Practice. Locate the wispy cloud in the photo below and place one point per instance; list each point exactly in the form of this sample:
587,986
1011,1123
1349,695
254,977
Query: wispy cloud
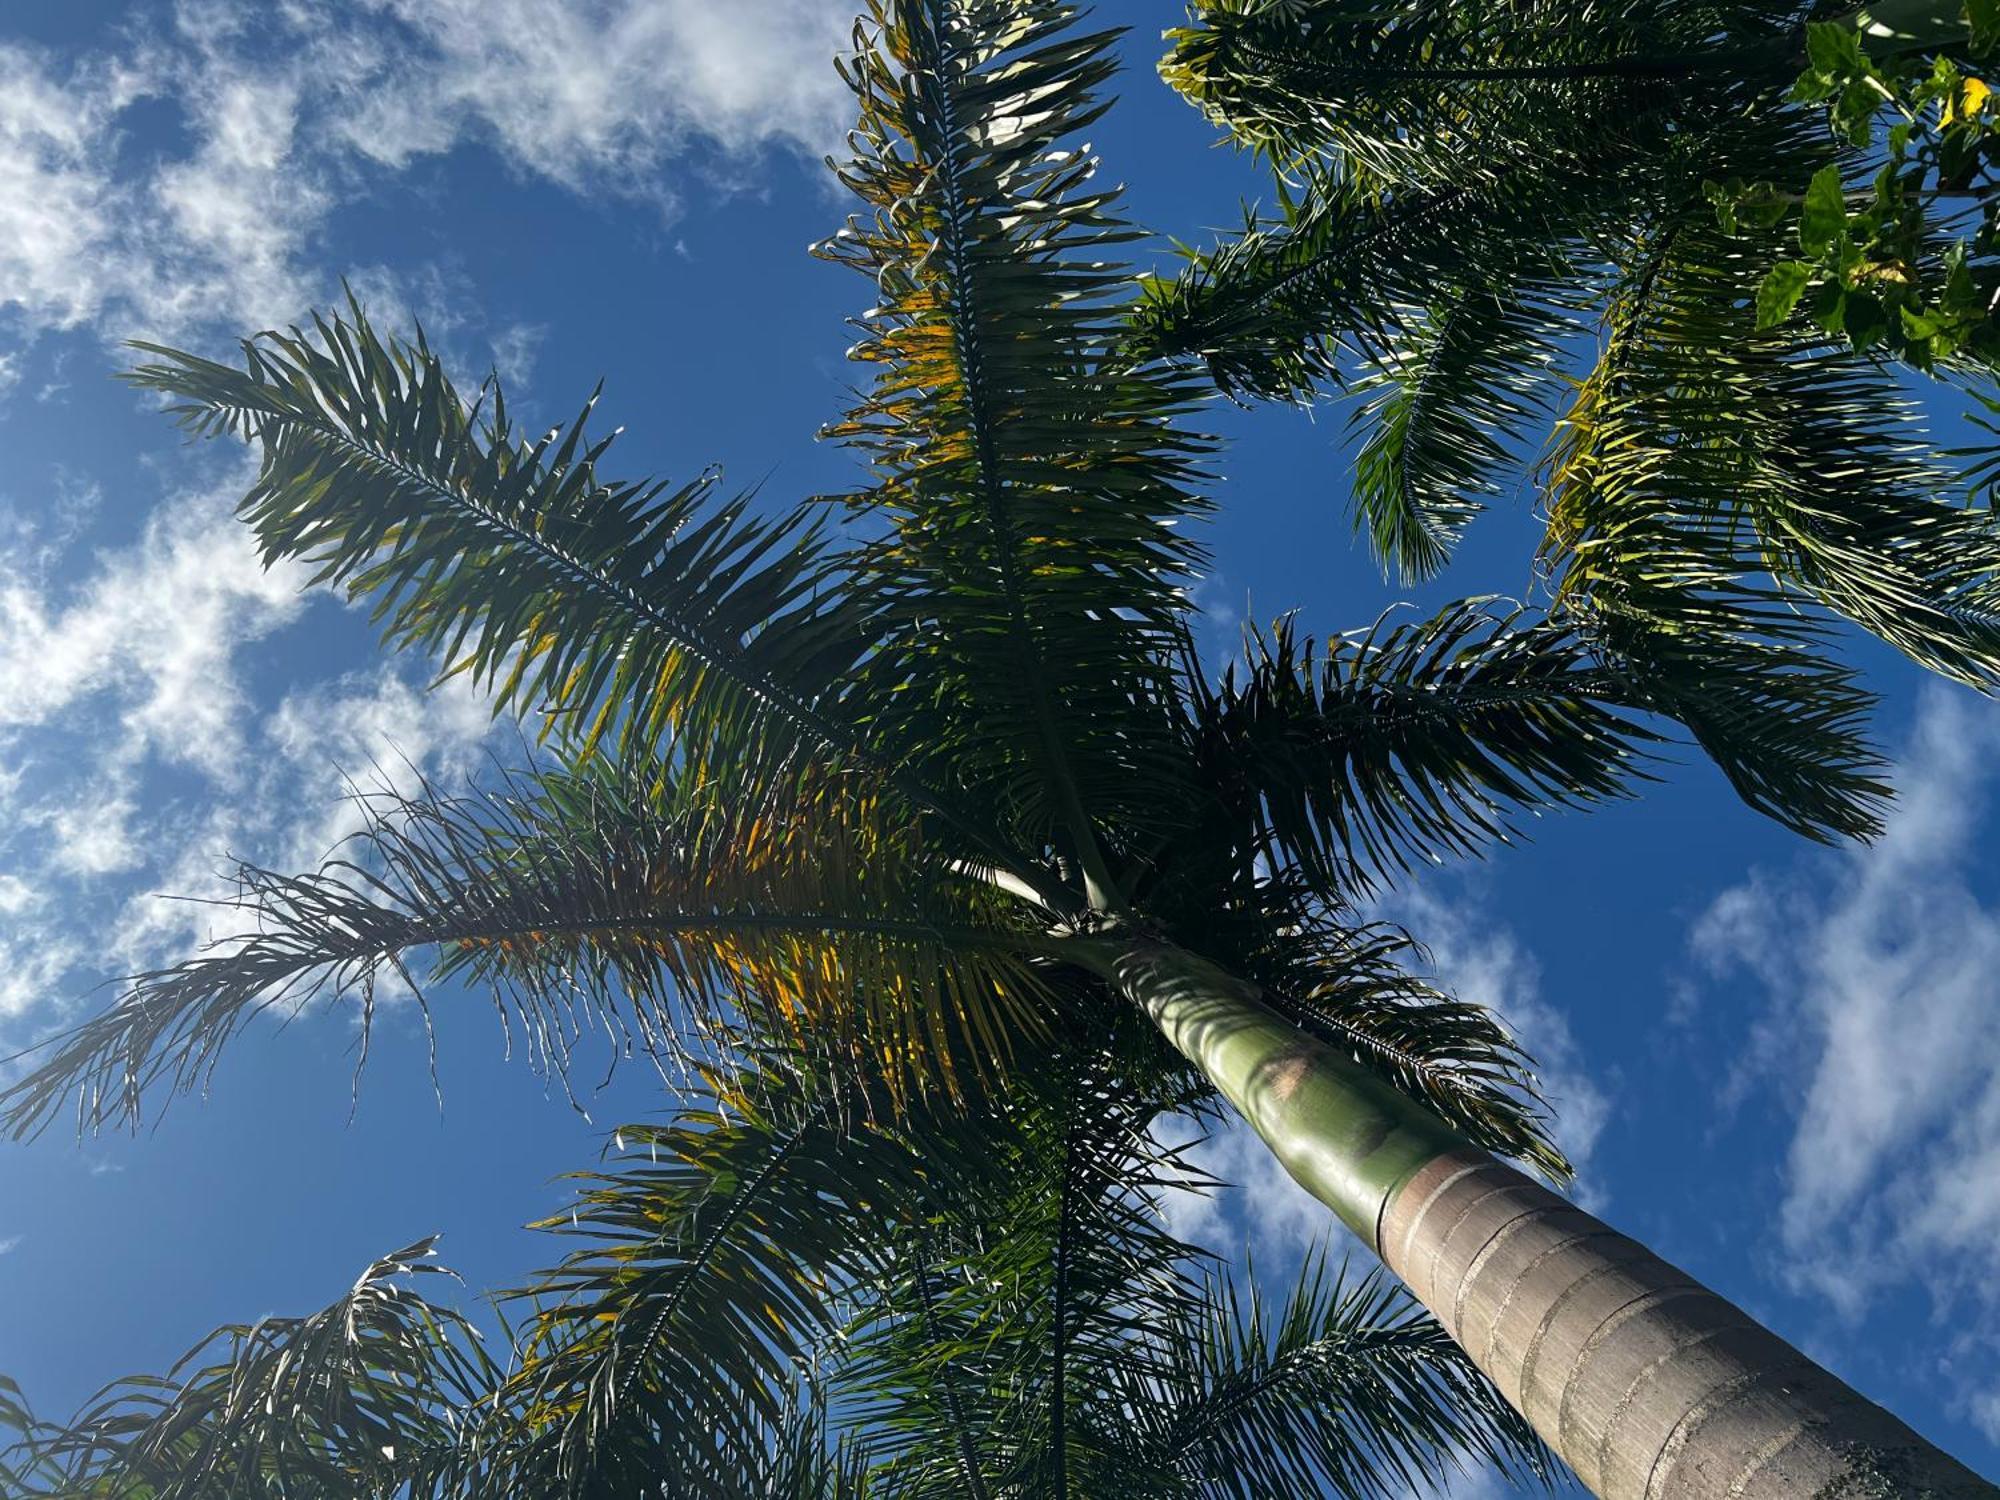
137,746
1878,971
136,677
10,1243
285,113
155,627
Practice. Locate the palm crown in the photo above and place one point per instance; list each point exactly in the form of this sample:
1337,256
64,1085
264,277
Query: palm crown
834,815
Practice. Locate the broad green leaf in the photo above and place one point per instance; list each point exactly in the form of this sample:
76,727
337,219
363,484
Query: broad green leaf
1781,291
1823,219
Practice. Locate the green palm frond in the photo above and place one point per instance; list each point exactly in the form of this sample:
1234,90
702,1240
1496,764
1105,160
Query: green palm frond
1787,459
367,1397
664,1356
1032,480
807,1462
995,1354
1410,743
1443,412
1407,92
26,1469
642,608
1349,1389
628,902
1279,311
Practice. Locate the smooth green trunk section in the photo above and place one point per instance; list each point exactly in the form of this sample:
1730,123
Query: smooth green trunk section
1348,1137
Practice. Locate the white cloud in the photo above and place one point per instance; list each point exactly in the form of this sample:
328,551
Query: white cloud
157,625
1879,972
92,835
58,205
10,1243
1472,1483
291,110
33,966
372,730
1256,1209
584,91
16,895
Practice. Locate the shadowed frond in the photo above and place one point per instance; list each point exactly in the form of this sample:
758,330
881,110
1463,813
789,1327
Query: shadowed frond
1412,742
1301,300
1032,480
995,1353
1348,1389
625,902
1442,414
369,1397
1411,92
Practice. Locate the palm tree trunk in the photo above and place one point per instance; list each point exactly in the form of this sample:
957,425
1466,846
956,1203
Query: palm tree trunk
1648,1384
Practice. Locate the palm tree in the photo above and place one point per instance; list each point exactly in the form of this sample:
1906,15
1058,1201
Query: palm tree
1504,223
781,1298
911,794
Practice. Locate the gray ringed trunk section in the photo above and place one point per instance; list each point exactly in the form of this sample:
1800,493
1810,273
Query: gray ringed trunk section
1648,1384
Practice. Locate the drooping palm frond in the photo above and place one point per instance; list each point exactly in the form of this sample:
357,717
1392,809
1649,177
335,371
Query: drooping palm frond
1442,413
1349,1389
1032,478
1710,456
369,1397
1280,311
1775,456
995,1354
808,1461
627,902
26,1468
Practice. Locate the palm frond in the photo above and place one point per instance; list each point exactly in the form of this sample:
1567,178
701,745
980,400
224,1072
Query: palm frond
665,1355
1405,92
1349,1388
640,607
1443,412
996,1351
1278,311
370,1396
1032,479
1410,743
1765,454
638,610
623,901
26,1468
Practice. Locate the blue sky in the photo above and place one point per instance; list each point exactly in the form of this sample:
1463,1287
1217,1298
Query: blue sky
1774,1063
